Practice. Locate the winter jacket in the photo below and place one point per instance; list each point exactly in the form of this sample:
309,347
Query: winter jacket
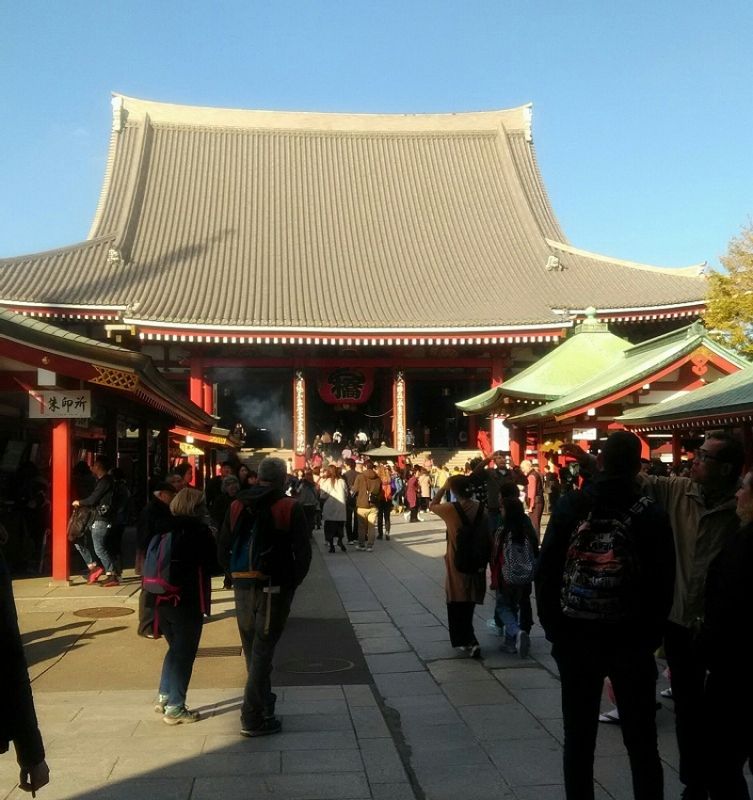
367,483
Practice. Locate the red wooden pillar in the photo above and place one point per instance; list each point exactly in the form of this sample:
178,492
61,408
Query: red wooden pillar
61,498
473,432
540,448
517,444
748,444
645,446
676,448
498,370
196,382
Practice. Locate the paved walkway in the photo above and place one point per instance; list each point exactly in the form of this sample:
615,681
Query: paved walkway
420,722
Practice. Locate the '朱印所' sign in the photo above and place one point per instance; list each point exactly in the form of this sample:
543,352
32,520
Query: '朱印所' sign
60,404
346,385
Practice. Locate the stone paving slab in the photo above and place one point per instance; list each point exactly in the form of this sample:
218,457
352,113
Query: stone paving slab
394,662
384,644
342,786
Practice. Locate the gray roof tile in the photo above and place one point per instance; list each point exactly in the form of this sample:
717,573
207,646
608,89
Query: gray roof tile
259,219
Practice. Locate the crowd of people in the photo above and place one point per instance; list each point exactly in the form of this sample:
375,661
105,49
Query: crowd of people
635,558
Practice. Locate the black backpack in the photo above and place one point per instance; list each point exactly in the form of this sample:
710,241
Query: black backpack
472,545
601,577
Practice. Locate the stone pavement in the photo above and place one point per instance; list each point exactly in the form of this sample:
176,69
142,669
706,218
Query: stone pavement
420,722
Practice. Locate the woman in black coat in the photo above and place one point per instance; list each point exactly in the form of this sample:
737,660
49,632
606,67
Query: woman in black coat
180,620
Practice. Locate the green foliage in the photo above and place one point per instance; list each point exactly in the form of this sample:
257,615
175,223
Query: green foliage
729,303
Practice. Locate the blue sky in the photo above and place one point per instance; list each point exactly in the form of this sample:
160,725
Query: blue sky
643,110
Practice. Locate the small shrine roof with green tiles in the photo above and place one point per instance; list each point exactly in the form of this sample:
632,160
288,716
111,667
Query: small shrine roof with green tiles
636,364
587,352
729,397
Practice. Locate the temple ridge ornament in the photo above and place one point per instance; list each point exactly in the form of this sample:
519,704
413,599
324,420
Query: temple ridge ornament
699,359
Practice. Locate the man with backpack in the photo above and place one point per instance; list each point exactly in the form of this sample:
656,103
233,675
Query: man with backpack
264,543
367,489
701,509
604,588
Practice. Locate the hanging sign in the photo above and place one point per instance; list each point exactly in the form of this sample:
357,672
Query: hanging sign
585,434
60,404
346,385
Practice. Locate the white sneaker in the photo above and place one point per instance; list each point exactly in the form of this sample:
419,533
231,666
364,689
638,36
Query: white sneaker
360,547
406,516
610,717
666,692
369,549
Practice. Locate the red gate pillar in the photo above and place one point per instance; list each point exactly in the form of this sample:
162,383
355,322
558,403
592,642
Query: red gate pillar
676,448
517,445
299,420
645,446
399,417
61,498
196,382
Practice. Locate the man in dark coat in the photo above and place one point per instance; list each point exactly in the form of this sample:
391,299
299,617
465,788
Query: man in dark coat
589,647
18,720
726,643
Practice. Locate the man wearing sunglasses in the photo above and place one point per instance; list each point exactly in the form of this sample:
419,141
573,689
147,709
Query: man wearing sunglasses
701,509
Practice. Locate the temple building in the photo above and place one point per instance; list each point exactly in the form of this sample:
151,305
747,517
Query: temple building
295,272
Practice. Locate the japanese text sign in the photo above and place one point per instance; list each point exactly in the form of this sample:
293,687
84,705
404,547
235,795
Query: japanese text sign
346,385
60,404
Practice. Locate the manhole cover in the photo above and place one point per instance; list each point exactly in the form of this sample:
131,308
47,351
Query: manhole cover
317,667
103,612
217,652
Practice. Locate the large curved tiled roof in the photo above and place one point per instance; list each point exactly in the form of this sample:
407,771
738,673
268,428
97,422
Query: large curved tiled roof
236,219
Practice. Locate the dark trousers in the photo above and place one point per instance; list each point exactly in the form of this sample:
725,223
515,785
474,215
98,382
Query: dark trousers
536,512
583,665
350,519
333,530
182,629
729,733
687,667
518,600
460,623
384,523
261,620
413,513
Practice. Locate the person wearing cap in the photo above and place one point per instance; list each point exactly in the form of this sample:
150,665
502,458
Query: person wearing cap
262,602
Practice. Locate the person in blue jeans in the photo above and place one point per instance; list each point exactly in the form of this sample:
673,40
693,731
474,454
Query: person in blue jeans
193,560
100,501
512,610
263,599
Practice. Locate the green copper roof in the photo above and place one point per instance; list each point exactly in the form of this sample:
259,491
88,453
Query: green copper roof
636,363
589,350
732,394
